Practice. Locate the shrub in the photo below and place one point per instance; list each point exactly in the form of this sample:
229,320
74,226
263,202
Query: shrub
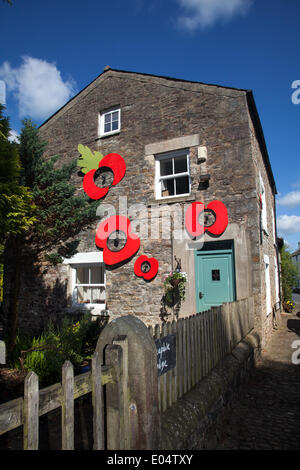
46,354
288,274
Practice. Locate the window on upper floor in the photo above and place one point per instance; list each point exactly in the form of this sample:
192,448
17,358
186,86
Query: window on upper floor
172,174
110,122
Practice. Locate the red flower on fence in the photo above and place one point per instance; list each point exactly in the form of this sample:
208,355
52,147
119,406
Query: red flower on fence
217,208
111,234
112,161
146,267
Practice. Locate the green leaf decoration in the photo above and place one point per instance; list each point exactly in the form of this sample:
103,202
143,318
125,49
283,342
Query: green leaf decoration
89,159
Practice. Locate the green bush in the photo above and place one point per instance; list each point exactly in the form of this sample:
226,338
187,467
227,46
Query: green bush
46,354
288,274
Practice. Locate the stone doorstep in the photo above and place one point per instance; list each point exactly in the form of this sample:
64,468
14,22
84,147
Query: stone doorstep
198,408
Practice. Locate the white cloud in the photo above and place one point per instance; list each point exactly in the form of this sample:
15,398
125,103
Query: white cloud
2,93
288,224
291,199
204,13
14,136
37,86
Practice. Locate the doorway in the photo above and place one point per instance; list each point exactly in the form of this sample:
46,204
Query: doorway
214,275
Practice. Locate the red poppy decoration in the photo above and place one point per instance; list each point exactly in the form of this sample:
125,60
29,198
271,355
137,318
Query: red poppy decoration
146,267
116,163
195,229
118,224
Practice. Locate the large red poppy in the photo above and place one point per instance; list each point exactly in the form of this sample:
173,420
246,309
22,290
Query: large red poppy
116,163
153,267
116,223
195,229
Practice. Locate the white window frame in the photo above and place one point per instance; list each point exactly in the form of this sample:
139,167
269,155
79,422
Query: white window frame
268,285
159,178
276,280
79,260
264,223
102,115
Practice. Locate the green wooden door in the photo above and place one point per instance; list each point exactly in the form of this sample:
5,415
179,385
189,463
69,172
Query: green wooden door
214,277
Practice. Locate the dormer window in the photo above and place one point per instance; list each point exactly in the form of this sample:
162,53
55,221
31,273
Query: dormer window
110,122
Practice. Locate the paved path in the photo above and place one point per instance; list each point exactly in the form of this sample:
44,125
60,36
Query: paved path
268,414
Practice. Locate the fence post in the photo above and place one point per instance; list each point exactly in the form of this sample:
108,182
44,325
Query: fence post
174,372
142,378
114,400
67,412
226,318
157,335
122,341
97,403
179,358
31,412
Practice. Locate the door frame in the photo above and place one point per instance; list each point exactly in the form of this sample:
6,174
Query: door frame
215,248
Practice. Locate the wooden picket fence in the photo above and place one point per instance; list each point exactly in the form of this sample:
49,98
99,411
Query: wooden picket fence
202,340
26,411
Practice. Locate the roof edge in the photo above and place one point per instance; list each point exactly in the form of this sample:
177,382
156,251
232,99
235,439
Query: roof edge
260,136
109,69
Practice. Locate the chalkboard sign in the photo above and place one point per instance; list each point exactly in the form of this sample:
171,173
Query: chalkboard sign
166,353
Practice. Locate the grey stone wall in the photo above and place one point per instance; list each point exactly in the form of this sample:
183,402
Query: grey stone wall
266,244
197,419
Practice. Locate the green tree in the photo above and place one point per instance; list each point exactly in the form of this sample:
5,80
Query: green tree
16,207
288,274
60,213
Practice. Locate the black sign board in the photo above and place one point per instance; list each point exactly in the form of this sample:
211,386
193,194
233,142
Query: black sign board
166,353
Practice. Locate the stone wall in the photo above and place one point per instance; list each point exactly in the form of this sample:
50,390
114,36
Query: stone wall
197,419
265,242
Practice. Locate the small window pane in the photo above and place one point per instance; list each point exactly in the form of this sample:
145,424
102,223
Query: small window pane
84,295
115,116
97,275
182,185
180,164
215,274
107,127
168,187
98,295
166,167
115,125
107,118
82,275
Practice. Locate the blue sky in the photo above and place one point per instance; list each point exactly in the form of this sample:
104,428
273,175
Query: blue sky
51,50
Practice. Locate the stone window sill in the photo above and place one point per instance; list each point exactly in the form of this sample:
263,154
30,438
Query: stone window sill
173,200
106,136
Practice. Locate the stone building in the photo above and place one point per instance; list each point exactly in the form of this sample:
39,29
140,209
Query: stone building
182,142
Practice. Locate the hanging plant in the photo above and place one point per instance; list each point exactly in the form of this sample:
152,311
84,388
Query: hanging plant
174,285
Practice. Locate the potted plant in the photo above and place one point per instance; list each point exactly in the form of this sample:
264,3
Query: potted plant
289,306
174,285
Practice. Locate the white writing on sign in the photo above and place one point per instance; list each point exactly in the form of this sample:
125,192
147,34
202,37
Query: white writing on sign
162,364
166,353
